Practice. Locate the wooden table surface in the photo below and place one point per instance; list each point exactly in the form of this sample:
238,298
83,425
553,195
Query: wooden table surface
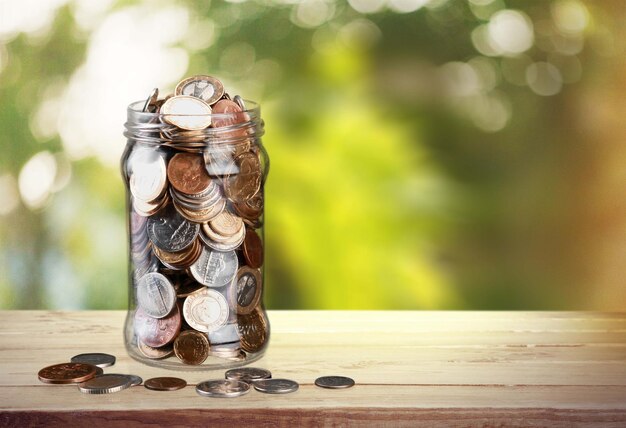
411,368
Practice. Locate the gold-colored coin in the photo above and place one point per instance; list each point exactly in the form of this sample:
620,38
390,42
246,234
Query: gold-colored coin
207,88
253,330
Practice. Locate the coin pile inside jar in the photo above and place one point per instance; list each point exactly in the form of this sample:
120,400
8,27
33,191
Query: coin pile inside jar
196,203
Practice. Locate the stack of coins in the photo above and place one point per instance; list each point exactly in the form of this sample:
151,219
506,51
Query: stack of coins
196,200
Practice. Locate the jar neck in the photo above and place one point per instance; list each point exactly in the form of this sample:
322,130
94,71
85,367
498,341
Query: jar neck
234,129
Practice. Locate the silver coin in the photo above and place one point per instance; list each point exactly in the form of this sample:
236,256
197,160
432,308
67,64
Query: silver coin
275,386
206,310
215,268
171,232
334,382
240,102
155,295
148,174
222,247
95,359
186,112
207,88
222,388
105,384
151,100
248,374
135,380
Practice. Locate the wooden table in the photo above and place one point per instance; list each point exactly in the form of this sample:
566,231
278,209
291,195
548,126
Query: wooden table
411,368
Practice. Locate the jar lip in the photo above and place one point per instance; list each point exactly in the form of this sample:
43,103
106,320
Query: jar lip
253,109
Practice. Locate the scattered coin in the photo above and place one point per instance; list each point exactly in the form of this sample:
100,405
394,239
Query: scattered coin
223,388
67,373
334,382
95,359
248,374
135,380
165,383
276,386
105,384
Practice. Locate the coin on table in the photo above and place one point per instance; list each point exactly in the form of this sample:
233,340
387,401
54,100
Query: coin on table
155,295
185,112
224,388
170,231
248,374
275,386
187,173
206,311
67,373
95,359
248,289
215,268
207,88
157,332
334,382
135,380
253,249
105,384
165,383
191,347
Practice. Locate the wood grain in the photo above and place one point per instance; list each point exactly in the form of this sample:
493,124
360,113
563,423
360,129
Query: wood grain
411,368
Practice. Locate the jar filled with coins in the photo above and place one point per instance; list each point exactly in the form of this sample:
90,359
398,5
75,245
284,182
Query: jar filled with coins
194,169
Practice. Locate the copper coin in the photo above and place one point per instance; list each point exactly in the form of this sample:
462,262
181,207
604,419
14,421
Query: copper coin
187,173
249,285
165,383
253,330
157,332
247,182
155,353
253,249
250,209
191,347
67,373
228,113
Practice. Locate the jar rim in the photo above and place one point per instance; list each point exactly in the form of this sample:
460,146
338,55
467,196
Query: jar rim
253,109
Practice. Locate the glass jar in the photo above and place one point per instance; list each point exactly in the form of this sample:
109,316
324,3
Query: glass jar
195,206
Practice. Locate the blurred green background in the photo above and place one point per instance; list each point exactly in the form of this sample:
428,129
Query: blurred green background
425,154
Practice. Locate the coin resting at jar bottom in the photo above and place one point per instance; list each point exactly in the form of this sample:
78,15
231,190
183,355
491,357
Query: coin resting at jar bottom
253,330
191,347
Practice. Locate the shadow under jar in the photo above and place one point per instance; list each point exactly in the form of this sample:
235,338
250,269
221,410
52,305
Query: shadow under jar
195,227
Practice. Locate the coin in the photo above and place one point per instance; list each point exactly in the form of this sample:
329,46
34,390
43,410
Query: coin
165,383
155,353
253,249
186,112
222,388
95,359
150,104
155,295
334,382
191,347
215,268
275,386
247,182
240,102
248,374
135,380
156,332
250,209
206,311
226,223
147,174
227,114
171,232
187,173
207,88
105,384
253,330
248,289
67,373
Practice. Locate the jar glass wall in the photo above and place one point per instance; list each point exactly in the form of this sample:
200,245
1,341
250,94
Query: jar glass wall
195,206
